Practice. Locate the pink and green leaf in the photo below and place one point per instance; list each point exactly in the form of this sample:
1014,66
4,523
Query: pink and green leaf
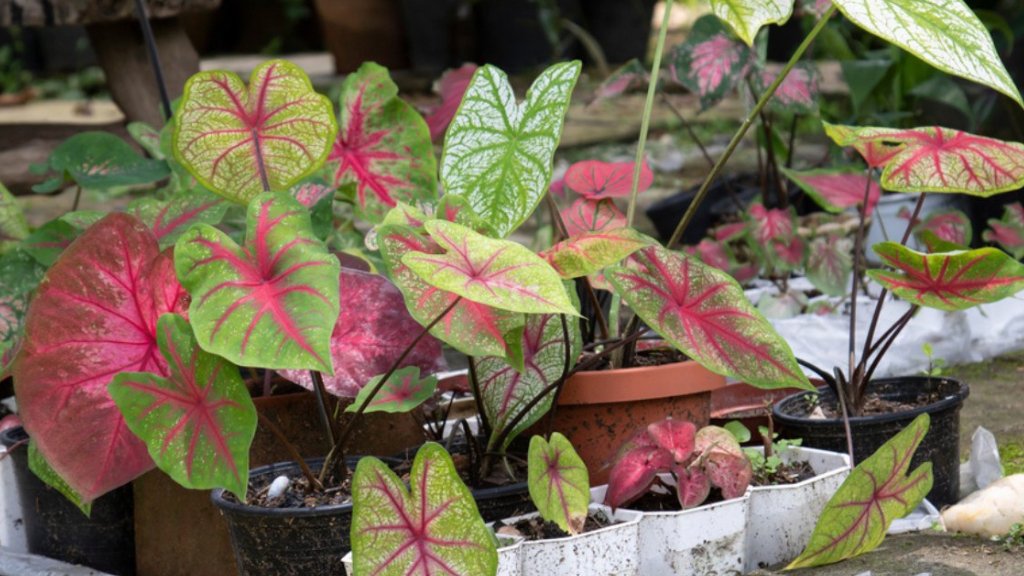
629,76
877,491
197,422
168,219
240,141
710,63
21,275
432,528
382,154
692,485
772,224
675,436
712,253
13,226
949,280
950,226
798,93
591,252
1008,232
586,215
310,192
722,458
596,180
451,87
836,190
559,483
272,303
101,161
876,152
829,265
94,316
634,471
403,392
704,313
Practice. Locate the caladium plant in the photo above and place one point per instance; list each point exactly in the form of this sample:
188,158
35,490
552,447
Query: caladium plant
1008,231
559,482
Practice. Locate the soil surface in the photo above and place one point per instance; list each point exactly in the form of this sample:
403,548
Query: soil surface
536,528
784,474
298,495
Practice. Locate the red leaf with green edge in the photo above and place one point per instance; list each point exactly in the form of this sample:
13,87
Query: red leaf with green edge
836,190
472,328
829,265
710,63
13,226
597,180
559,483
42,469
372,330
789,253
770,224
499,273
168,219
952,226
633,473
629,76
272,303
591,252
692,486
729,232
452,87
199,420
950,280
877,491
703,312
585,215
675,436
403,391
432,528
383,153
506,389
239,142
93,317
798,93
722,458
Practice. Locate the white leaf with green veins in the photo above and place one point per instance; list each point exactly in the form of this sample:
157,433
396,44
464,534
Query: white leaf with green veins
943,33
748,16
498,152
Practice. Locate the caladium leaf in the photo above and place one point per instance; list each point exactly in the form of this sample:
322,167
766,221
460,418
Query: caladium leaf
631,75
781,306
770,225
877,491
1009,231
559,482
452,86
692,486
748,16
168,219
499,273
372,330
383,153
42,469
13,226
597,180
403,391
711,64
713,254
591,252
311,192
952,226
457,209
100,161
704,313
505,390
798,92
272,303
93,317
431,528
21,275
675,436
147,137
239,142
472,328
876,153
944,33
498,152
836,190
723,460
633,473
197,422
589,216
829,265
788,254
950,280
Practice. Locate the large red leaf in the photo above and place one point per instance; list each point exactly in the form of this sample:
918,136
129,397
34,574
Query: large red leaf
710,63
836,190
452,86
586,215
704,313
93,317
372,331
950,280
597,180
559,482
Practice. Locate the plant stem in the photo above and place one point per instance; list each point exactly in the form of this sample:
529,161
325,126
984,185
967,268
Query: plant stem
747,122
154,56
78,197
474,384
858,245
292,451
565,374
556,219
321,404
792,141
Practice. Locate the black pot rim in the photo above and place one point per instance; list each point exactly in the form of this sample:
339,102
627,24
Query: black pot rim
951,401
240,509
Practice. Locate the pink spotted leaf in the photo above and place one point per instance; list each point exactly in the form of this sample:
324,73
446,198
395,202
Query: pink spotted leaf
451,87
586,215
836,190
404,391
798,92
310,192
559,483
591,252
710,63
596,180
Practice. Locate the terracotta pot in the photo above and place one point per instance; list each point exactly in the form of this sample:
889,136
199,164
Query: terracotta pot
356,31
599,411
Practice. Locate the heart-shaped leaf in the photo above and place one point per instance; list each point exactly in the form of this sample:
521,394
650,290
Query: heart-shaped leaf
829,265
633,473
499,273
559,482
403,391
589,216
597,180
952,226
372,331
13,226
591,252
692,486
727,467
748,16
431,528
272,303
836,190
798,92
382,154
505,390
876,153
168,219
877,491
710,63
452,86
93,317
101,161
239,142
498,152
770,224
943,33
197,422
950,280
675,436
147,137
704,313
1009,231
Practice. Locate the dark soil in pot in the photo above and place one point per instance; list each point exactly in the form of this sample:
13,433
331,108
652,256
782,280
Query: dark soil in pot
56,528
536,528
940,446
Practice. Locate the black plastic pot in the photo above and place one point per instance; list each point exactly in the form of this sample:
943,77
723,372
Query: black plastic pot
503,501
941,446
57,529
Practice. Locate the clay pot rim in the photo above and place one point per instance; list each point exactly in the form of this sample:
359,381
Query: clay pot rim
639,383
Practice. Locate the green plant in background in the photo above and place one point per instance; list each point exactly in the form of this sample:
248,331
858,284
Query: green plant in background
1014,539
936,366
13,76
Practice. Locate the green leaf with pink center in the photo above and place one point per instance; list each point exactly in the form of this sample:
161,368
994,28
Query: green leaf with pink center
948,280
241,141
382,154
710,63
431,528
403,391
704,313
559,482
748,16
272,303
170,218
197,422
876,153
949,226
592,252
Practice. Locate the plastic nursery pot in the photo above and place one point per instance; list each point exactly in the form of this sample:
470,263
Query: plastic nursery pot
56,528
609,550
598,411
941,446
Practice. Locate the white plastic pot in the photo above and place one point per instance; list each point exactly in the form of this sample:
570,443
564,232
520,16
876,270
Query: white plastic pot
12,530
781,518
886,215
